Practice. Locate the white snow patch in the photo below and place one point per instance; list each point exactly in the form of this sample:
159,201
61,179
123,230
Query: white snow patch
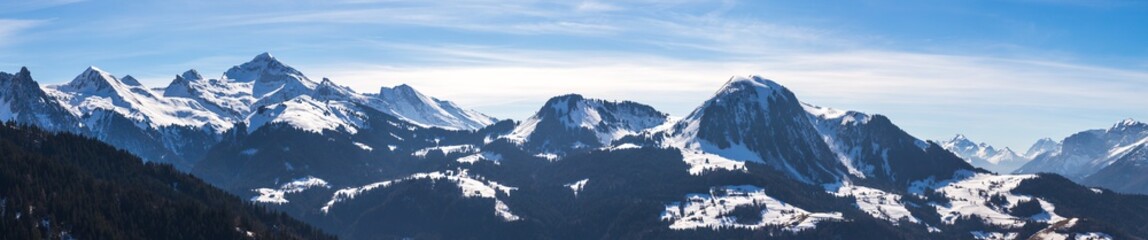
470,186
310,115
447,150
994,235
502,210
474,158
577,186
364,146
969,194
277,196
877,203
548,156
1093,236
522,132
625,146
711,211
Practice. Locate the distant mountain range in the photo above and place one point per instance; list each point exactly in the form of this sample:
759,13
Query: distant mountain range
1112,158
752,161
1005,160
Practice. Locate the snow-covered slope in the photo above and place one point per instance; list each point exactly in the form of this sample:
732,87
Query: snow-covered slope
95,89
985,156
229,100
571,122
720,209
408,104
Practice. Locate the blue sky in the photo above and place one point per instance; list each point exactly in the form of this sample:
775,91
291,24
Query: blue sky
1005,72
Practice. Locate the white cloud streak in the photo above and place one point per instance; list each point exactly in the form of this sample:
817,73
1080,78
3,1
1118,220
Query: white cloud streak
10,29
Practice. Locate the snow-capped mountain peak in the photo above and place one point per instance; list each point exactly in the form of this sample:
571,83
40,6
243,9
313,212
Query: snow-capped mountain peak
1111,157
1128,125
572,122
983,155
273,81
745,121
405,102
1044,145
93,81
191,75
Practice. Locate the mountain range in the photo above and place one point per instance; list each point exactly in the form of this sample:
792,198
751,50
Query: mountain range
178,124
1005,160
752,161
1112,158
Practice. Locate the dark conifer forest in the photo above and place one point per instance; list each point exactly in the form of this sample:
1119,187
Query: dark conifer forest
64,186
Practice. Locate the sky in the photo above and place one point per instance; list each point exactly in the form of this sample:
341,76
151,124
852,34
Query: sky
1005,72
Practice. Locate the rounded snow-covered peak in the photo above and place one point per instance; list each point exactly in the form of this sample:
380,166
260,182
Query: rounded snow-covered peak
743,97
763,88
263,68
755,80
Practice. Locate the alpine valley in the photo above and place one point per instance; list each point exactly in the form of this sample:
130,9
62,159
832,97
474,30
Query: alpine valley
752,161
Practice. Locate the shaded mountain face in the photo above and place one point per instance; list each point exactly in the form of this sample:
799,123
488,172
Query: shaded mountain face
985,156
22,101
755,120
98,192
572,123
1085,153
1111,158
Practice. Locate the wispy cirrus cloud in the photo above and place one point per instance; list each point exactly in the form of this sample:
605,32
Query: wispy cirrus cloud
22,6
11,29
